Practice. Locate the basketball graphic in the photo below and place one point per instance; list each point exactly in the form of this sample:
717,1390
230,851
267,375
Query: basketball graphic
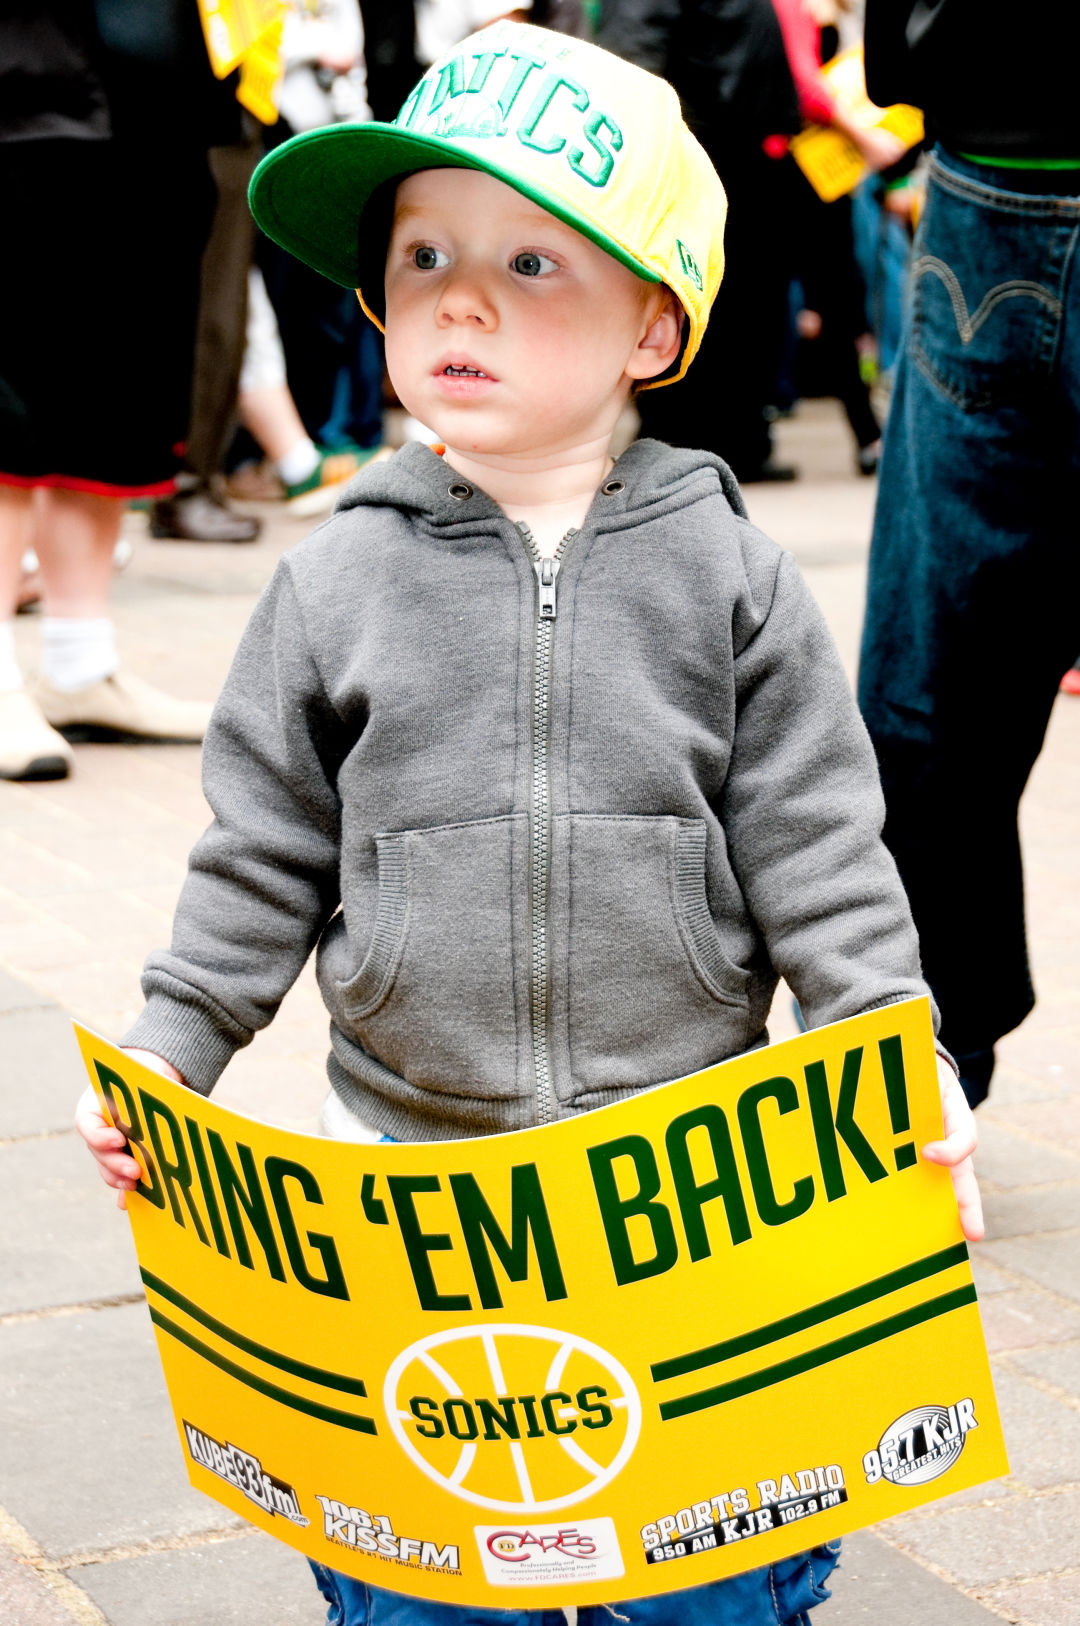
519,1418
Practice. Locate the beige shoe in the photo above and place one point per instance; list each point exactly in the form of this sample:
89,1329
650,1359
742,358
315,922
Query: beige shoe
29,748
122,707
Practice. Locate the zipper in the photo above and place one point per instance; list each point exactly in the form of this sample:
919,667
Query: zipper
546,571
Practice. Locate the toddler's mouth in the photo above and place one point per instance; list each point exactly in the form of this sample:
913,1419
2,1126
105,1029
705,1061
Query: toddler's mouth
453,371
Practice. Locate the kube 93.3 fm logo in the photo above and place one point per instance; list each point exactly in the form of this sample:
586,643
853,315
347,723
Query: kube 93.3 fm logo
519,1418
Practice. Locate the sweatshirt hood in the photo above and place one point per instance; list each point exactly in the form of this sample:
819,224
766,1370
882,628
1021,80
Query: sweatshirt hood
648,475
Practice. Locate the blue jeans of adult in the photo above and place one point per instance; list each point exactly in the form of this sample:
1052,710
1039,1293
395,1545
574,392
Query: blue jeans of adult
777,1595
973,605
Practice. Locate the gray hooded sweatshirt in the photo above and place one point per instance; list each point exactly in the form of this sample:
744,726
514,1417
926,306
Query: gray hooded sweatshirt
554,827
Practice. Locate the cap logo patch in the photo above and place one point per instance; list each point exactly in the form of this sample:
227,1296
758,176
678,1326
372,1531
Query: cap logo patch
689,264
498,93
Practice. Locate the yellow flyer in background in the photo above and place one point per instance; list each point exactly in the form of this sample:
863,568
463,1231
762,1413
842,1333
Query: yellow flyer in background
830,160
627,1353
246,34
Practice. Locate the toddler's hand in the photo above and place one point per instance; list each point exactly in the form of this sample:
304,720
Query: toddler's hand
115,1163
954,1152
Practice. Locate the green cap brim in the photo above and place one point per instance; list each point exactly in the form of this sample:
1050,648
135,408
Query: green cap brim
309,193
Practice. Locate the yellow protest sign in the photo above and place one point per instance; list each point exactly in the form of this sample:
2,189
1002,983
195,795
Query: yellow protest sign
627,1353
246,34
830,160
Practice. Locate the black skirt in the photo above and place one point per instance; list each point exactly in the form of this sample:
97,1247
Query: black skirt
99,284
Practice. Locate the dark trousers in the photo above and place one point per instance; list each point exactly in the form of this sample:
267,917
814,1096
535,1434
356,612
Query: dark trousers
333,354
222,321
832,285
720,405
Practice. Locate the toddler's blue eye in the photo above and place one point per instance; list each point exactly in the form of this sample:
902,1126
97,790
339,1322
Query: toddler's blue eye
426,258
532,265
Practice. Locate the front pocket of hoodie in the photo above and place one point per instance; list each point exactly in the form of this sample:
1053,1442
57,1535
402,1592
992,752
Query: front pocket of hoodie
434,996
650,991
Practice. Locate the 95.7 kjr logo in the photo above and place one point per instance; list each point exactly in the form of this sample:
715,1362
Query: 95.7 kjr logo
921,1445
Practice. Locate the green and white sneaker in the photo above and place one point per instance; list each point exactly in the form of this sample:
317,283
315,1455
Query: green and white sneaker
333,471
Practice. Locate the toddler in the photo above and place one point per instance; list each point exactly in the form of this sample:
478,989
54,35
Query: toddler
551,759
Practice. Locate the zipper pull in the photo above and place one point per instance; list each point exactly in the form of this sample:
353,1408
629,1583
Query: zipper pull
546,572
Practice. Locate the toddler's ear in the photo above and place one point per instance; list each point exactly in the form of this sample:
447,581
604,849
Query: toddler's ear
659,344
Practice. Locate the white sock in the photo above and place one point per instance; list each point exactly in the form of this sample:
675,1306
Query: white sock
299,462
10,676
77,652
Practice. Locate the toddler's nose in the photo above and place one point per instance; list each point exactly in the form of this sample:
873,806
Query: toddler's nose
465,298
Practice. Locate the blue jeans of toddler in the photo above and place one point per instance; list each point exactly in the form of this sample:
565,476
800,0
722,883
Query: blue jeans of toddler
776,1595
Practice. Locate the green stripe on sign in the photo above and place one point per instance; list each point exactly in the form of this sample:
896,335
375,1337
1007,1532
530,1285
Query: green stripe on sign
679,1365
272,1357
326,1414
833,1351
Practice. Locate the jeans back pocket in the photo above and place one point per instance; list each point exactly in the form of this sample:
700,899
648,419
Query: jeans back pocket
986,305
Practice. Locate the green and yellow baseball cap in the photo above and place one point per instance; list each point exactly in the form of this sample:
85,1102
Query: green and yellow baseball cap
592,139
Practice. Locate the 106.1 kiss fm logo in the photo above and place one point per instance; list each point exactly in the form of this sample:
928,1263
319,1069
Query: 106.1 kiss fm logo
363,1532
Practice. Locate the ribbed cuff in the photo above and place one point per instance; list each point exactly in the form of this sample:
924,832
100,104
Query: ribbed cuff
880,1005
946,1057
185,1035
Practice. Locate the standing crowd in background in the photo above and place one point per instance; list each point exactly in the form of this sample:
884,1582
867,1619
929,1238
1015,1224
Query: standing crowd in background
156,349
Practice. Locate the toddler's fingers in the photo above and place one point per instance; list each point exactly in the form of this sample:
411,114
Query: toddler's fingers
961,1132
119,1169
90,1121
156,1063
968,1200
953,1149
954,1153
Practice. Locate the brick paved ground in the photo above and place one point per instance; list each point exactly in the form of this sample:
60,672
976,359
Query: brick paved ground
97,1523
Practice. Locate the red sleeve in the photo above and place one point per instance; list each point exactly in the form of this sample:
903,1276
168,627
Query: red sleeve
802,43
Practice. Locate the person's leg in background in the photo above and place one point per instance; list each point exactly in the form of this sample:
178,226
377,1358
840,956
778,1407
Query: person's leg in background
883,249
721,404
833,287
95,372
29,748
367,365
333,355
310,476
974,582
198,512
80,687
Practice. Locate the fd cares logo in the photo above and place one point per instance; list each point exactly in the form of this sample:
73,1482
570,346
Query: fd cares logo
515,1546
520,1418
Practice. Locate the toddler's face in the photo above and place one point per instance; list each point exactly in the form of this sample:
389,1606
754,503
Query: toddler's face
507,332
